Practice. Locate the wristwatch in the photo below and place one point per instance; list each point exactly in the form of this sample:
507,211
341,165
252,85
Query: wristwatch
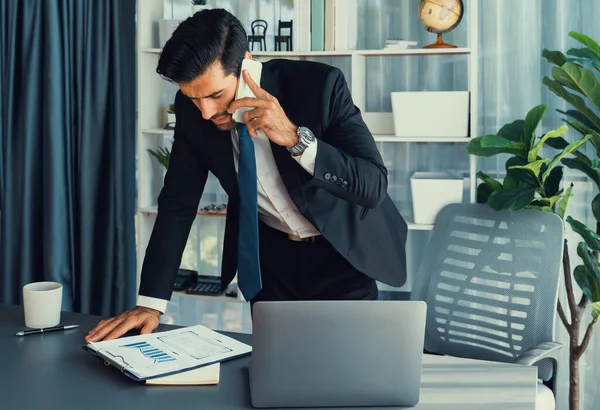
305,138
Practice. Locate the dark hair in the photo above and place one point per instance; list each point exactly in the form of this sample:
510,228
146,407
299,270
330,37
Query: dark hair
208,36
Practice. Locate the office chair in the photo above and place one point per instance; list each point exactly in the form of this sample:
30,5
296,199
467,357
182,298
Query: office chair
257,27
490,280
287,39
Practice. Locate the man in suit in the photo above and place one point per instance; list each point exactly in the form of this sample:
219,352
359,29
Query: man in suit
308,215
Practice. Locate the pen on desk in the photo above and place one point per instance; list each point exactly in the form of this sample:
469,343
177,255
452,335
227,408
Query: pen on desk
48,329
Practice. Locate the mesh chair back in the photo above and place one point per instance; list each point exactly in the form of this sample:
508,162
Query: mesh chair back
490,280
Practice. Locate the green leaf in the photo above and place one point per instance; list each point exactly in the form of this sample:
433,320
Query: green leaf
552,200
490,145
495,185
581,119
533,153
558,143
525,178
596,207
484,191
562,205
579,79
590,237
586,41
568,150
564,79
511,182
554,57
573,99
583,280
576,163
582,54
533,167
512,131
552,183
583,130
162,155
591,286
532,120
595,310
511,199
584,57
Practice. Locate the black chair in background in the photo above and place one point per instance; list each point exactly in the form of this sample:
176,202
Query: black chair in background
287,39
257,27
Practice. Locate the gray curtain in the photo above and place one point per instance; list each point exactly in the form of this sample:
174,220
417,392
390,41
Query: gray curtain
67,161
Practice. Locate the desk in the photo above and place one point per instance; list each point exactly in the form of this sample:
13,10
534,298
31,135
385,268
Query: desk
52,371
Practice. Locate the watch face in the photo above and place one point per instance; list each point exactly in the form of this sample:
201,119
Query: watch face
307,134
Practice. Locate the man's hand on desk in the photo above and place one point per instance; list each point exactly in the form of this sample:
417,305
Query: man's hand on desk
139,318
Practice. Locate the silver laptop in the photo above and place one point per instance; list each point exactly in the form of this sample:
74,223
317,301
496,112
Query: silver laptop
337,353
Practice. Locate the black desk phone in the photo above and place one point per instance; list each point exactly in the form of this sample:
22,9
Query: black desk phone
185,278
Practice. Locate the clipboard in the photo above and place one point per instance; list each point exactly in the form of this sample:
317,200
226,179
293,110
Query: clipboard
161,354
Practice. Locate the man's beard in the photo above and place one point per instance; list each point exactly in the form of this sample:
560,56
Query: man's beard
228,126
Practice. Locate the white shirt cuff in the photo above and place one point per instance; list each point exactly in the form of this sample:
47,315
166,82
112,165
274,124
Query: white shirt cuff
308,158
153,303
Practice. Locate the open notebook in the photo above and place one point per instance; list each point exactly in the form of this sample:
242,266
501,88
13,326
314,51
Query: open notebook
180,356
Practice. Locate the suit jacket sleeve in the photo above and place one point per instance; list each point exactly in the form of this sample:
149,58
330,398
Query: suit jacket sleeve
177,207
348,164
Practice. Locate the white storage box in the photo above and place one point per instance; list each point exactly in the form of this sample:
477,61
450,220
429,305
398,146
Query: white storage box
431,191
431,114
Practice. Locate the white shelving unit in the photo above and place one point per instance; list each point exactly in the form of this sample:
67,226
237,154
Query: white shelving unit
150,89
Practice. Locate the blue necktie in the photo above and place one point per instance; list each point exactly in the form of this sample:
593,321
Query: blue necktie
249,279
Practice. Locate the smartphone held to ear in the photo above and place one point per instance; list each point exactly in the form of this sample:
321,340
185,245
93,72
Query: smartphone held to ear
254,69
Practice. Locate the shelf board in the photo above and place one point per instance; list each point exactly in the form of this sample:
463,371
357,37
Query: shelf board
368,53
378,138
160,131
348,53
411,51
217,214
393,138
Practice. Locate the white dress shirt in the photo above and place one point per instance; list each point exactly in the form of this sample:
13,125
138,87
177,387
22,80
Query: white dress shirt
275,207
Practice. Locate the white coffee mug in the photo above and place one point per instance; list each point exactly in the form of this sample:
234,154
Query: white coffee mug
42,303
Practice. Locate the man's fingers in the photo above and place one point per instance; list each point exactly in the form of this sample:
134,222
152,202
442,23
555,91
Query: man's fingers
116,327
246,102
102,332
95,331
252,114
255,125
149,326
124,327
259,92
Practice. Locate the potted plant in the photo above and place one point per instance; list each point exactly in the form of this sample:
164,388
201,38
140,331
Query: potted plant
162,155
535,182
198,5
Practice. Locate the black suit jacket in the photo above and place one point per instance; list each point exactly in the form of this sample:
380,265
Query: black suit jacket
346,200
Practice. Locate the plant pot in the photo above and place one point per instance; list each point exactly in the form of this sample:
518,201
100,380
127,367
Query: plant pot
431,114
170,118
431,191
